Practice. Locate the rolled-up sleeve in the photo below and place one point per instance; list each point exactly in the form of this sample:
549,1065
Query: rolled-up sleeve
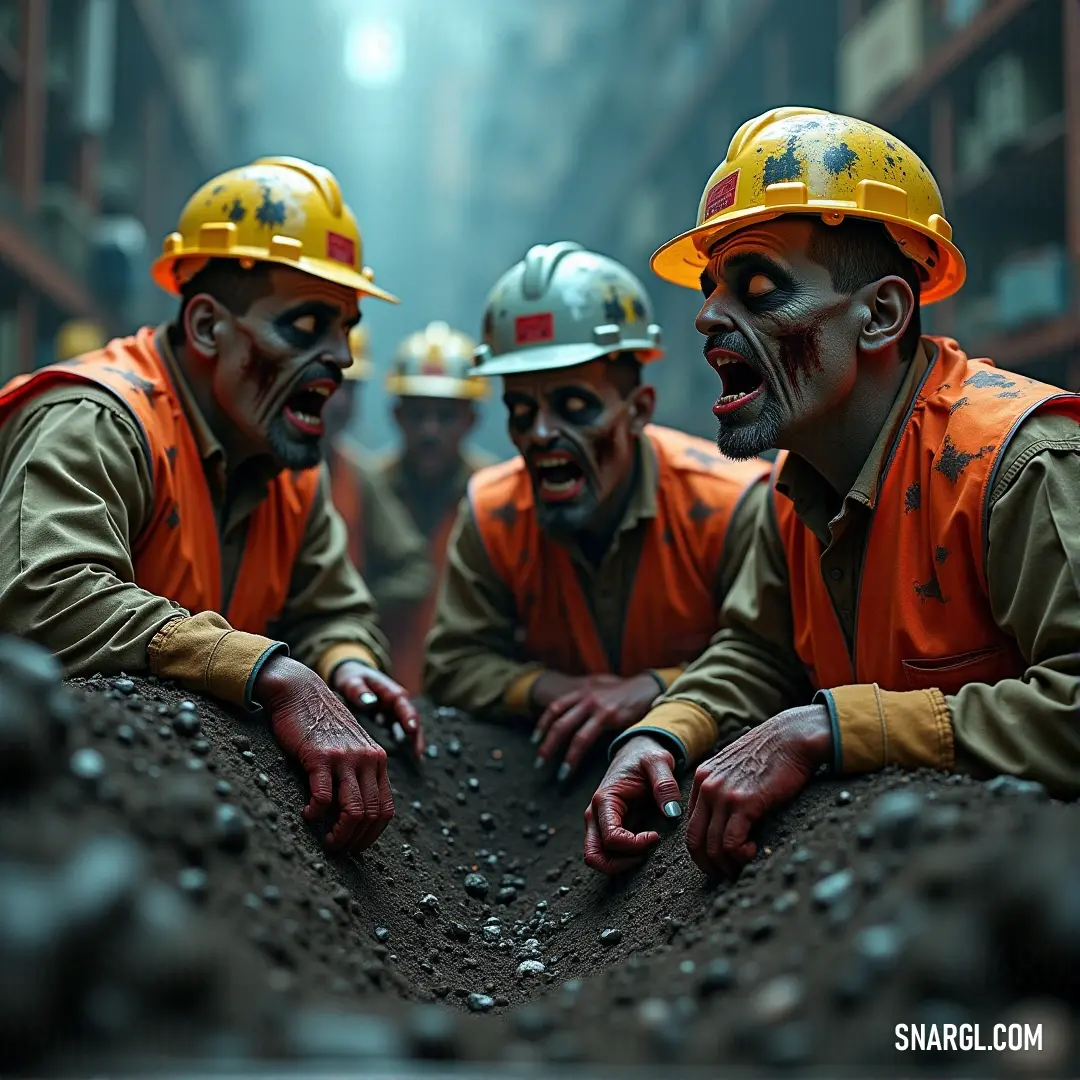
75,491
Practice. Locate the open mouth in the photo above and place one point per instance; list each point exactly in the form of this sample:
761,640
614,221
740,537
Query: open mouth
742,382
305,405
558,476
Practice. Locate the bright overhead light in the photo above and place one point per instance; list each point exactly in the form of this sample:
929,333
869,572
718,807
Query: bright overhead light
375,52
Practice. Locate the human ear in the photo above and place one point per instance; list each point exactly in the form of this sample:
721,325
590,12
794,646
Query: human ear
889,305
204,324
642,406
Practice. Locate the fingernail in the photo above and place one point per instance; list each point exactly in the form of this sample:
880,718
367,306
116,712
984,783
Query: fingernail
536,737
368,699
564,771
672,809
539,763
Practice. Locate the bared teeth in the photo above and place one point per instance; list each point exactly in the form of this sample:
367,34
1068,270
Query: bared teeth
552,462
558,485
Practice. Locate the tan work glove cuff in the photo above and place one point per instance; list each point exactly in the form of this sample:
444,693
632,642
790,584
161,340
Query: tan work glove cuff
517,701
876,727
338,654
206,655
687,724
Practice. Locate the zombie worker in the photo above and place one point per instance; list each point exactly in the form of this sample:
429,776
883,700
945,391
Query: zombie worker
383,543
435,408
162,505
911,595
584,574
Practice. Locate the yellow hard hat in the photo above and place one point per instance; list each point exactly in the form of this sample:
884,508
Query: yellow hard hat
361,368
77,337
436,362
807,161
280,210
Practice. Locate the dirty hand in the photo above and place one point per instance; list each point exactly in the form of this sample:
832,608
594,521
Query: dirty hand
642,768
369,690
768,766
602,704
313,726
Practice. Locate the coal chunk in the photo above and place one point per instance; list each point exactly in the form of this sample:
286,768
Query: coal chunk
896,816
476,885
610,936
231,828
480,1002
1013,785
186,722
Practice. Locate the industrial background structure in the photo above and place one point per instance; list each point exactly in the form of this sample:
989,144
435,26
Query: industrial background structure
465,132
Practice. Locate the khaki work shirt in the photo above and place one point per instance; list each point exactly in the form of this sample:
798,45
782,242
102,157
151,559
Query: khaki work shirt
427,506
473,662
75,493
1026,727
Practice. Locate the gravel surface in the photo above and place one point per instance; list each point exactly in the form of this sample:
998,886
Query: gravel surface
160,895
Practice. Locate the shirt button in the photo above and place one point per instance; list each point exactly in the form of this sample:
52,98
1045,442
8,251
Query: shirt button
836,573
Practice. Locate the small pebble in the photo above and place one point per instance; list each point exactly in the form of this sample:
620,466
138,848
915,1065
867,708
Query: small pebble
381,933
761,928
832,889
896,814
531,967
186,723
241,742
165,731
864,834
453,748
200,747
262,780
231,827
487,822
844,798
610,937
193,881
480,1002
271,894
195,764
252,902
248,755
476,885
87,764
125,734
506,895
432,750
1013,785
125,686
473,783
719,976
223,787
785,902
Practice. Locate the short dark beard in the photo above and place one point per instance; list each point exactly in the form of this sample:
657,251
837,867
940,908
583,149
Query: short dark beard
742,441
292,453
562,520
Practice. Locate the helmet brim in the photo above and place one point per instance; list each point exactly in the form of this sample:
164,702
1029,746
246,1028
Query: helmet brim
164,271
553,357
681,260
437,386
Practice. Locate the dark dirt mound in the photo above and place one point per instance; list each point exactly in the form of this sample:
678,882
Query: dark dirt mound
890,899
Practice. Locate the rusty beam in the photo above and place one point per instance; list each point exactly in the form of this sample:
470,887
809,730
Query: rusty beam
946,57
48,277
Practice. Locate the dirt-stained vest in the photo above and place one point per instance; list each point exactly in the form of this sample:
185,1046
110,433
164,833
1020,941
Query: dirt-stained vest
923,618
672,612
177,554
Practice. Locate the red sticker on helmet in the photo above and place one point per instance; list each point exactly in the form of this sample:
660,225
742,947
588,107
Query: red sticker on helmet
340,248
721,195
534,329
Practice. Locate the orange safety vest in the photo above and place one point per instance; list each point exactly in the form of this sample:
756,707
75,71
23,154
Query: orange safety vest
672,611
923,618
177,555
346,493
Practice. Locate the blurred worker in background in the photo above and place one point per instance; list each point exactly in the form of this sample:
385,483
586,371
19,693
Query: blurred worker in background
912,595
435,409
583,575
383,543
77,337
162,504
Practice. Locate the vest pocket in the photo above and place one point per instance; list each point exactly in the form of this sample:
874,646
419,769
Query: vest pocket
949,673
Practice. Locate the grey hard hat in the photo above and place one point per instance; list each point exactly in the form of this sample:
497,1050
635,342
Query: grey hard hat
561,306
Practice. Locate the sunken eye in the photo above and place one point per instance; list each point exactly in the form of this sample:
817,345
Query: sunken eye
519,410
306,324
574,404
760,285
708,286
